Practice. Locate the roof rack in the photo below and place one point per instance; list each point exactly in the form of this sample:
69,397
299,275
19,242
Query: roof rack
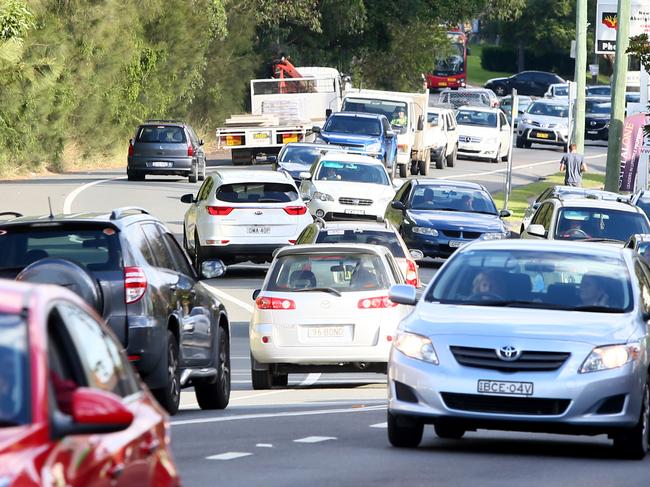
118,213
163,120
14,213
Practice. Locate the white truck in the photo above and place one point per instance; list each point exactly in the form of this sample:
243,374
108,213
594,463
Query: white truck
283,110
413,141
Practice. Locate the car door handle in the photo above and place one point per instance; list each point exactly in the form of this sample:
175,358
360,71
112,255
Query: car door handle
116,470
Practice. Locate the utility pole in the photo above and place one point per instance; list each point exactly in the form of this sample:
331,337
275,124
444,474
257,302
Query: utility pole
619,83
579,76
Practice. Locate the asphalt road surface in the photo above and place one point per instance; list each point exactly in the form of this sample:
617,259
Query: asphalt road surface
329,429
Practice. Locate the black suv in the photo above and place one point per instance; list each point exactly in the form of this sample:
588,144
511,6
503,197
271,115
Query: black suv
166,147
530,83
131,269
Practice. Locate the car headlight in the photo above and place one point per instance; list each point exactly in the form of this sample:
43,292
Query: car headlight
425,231
527,121
494,235
610,357
416,346
374,147
323,196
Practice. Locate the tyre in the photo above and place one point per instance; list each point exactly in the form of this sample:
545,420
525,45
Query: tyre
280,380
134,176
169,396
520,142
415,168
451,158
202,172
199,256
404,431
262,379
402,170
633,444
440,160
449,432
216,395
528,144
194,174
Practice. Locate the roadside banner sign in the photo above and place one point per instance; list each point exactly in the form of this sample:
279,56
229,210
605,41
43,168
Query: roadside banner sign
631,145
607,23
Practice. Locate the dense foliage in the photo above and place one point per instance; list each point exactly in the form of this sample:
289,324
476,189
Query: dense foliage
76,76
504,59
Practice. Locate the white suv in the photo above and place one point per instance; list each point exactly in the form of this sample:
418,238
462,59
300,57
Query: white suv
347,186
240,216
483,133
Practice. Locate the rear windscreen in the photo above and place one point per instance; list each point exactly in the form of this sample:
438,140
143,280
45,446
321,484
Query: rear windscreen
257,193
98,249
373,237
161,134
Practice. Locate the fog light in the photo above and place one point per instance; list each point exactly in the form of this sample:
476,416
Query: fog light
320,213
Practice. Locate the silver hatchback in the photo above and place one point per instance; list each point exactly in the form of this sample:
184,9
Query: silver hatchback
527,336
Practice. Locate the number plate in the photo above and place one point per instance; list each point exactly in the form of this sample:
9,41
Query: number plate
259,230
592,132
505,387
442,83
455,243
161,164
261,135
355,212
326,332
541,135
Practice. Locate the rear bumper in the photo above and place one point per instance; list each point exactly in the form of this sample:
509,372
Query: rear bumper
146,347
175,165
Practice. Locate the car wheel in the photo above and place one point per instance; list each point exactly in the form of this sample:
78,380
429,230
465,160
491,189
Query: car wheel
194,174
280,380
449,432
451,158
216,395
520,142
440,160
528,144
404,431
402,170
415,168
497,158
169,396
633,444
198,253
135,176
202,173
262,379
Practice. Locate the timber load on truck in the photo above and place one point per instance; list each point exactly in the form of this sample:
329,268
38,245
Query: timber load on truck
284,108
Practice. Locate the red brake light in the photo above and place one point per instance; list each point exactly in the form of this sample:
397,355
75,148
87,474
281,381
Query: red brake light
412,277
190,150
219,210
135,284
375,303
266,302
295,210
131,149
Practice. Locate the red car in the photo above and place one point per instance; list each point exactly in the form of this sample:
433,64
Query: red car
72,410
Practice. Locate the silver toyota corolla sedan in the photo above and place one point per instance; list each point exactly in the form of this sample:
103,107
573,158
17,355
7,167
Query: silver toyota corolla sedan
527,336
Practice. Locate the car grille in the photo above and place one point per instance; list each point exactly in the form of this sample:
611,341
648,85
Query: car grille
596,124
459,234
356,146
487,358
355,201
535,124
479,403
469,138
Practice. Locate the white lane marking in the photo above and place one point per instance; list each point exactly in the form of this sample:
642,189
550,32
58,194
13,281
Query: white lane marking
231,455
315,439
256,395
223,295
310,379
525,166
67,203
220,419
264,445
379,425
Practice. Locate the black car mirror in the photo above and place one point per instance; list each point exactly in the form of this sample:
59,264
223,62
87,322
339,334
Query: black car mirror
256,293
212,268
315,129
187,198
201,142
397,205
505,213
328,112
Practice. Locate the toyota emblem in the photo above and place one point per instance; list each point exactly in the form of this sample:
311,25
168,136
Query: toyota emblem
508,353
259,212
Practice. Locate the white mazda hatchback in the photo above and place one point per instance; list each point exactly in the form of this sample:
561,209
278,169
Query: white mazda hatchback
324,308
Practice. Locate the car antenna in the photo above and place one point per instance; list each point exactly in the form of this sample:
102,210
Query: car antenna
49,202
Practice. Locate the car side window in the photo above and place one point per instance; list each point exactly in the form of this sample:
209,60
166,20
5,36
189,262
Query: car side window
138,242
543,196
182,264
161,254
642,272
394,268
542,217
403,193
307,235
386,125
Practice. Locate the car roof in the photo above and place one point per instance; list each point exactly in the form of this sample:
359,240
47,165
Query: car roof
315,145
577,247
335,156
480,108
374,116
445,182
114,217
231,176
597,203
327,248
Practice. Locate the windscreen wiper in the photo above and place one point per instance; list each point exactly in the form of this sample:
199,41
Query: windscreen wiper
602,239
318,289
597,309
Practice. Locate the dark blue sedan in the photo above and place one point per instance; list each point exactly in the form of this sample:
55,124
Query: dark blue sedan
438,216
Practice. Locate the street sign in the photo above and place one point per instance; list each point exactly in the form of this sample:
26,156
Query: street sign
593,69
607,23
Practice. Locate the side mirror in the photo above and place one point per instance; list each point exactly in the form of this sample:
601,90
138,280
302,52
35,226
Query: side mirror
328,112
304,175
272,159
256,293
201,142
416,254
390,134
536,230
315,129
403,294
306,198
421,122
397,205
187,198
212,268
505,213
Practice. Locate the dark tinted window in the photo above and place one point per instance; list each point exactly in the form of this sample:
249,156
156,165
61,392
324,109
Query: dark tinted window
182,265
161,134
445,198
308,235
599,107
384,238
353,125
161,254
257,193
586,223
15,404
300,154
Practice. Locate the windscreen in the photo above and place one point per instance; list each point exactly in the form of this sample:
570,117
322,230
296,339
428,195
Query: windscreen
257,193
598,223
561,91
351,172
305,155
14,371
476,118
451,64
600,90
598,107
374,237
98,249
353,125
444,198
433,118
342,272
395,111
534,279
548,110
161,134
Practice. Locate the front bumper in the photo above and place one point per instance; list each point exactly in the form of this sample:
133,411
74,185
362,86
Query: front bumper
599,131
477,150
440,246
333,210
539,135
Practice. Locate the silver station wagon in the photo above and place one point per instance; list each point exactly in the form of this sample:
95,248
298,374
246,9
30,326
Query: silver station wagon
527,336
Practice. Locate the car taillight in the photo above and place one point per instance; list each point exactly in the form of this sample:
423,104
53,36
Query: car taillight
131,149
295,210
412,277
375,303
190,150
219,210
135,284
267,302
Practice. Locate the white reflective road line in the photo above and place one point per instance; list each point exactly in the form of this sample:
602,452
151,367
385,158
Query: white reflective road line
223,295
315,439
264,445
310,379
231,455
67,203
525,166
379,425
220,419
